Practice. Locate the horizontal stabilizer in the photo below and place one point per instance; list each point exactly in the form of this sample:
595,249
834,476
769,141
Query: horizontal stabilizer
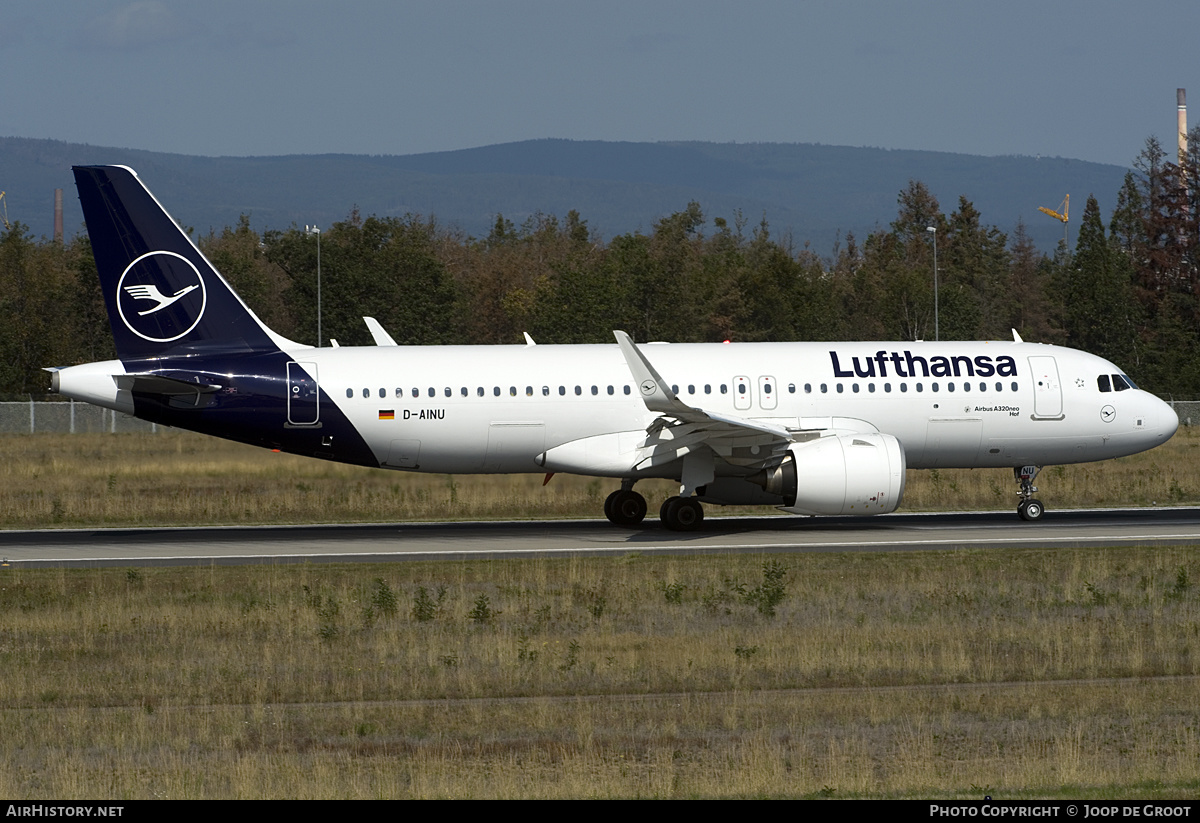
157,384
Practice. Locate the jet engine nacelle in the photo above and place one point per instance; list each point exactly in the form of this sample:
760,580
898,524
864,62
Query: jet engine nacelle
842,474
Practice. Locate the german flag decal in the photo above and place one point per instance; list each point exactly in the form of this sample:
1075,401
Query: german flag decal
387,414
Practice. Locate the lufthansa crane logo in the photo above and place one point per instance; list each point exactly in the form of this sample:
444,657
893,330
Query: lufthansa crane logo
161,296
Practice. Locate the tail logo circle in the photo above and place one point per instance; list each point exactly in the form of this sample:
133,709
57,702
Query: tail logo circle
161,296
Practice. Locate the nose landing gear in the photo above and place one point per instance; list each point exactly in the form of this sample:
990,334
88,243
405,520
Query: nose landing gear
1028,509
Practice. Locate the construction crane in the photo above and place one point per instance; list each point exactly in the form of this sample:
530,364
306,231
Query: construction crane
5,203
1065,205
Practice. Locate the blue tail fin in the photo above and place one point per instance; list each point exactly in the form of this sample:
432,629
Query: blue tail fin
163,297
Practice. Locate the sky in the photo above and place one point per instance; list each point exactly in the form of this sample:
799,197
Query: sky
1084,79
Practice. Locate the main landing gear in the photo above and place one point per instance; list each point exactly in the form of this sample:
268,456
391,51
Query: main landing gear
681,514
625,507
1029,508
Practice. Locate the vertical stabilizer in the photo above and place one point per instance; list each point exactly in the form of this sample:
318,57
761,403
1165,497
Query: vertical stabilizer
163,296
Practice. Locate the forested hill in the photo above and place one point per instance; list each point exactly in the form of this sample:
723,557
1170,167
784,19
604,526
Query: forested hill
815,193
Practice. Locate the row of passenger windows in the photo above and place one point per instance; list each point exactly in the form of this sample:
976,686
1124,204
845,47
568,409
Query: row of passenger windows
742,388
920,387
480,391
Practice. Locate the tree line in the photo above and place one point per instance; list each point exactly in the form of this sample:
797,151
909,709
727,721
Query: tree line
1127,291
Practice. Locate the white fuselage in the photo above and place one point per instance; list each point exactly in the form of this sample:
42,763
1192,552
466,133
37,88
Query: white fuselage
495,409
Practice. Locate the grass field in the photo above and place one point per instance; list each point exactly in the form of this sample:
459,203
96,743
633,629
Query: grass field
1014,673
179,478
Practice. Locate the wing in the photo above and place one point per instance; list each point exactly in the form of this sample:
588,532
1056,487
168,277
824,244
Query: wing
697,435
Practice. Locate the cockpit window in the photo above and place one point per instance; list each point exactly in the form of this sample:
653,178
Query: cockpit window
1129,380
1102,382
1119,383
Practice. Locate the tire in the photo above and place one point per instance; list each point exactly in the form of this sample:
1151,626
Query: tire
664,511
608,506
628,508
682,514
1031,510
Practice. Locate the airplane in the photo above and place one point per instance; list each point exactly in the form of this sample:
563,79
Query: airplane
810,428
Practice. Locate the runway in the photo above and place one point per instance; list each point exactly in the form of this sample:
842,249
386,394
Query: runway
560,538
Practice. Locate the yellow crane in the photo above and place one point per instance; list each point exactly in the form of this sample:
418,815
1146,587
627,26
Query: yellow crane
1065,205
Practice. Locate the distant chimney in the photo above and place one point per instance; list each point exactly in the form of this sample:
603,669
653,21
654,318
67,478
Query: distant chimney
58,231
1181,104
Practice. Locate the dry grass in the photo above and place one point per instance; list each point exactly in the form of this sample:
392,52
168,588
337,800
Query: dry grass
1019,673
179,478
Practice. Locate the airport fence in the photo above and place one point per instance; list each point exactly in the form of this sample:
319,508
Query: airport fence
69,417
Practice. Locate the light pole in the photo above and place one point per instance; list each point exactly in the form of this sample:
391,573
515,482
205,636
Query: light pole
314,230
936,334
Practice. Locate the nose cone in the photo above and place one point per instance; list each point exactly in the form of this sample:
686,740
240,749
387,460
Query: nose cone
1168,422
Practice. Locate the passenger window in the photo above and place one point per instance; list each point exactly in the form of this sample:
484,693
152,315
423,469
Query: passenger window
350,392
824,388
871,388
854,387
982,386
966,386
529,391
562,390
432,392
1014,385
950,386
691,389
724,389
595,391
808,388
675,388
626,389
416,392
495,391
903,388
610,391
839,388
578,390
920,387
545,391
708,388
479,391
449,392
766,388
464,391
999,386
512,391
399,392
887,387
366,392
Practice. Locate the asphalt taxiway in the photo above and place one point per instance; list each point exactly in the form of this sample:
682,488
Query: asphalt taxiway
426,541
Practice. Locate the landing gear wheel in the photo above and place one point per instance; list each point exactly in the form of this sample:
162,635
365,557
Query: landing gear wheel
682,514
625,508
1031,510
